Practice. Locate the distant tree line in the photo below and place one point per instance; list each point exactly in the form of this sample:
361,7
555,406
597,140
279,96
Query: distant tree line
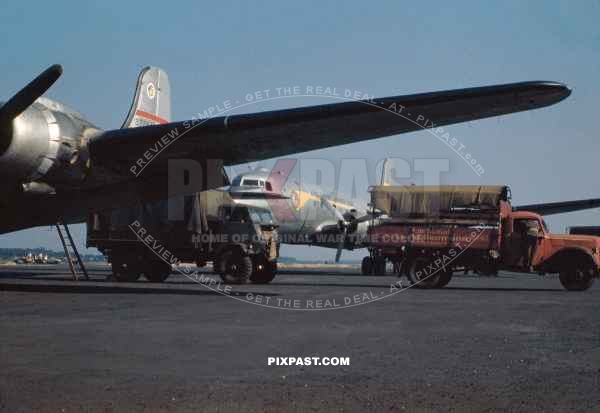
12,253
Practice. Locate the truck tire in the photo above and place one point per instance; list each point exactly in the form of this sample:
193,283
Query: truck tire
417,275
445,277
577,279
366,266
124,270
265,274
157,272
234,267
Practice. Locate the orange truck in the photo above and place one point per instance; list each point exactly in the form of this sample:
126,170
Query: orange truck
431,232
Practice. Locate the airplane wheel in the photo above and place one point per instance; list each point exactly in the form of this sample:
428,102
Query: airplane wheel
264,274
157,272
398,267
379,266
366,266
577,279
445,277
125,270
234,267
418,275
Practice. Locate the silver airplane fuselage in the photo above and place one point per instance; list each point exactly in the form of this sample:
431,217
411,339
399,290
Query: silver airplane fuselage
316,218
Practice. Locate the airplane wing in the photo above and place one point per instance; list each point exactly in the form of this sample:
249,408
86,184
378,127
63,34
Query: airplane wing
551,208
239,138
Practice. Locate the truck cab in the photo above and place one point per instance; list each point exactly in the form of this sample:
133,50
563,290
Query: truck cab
252,247
529,245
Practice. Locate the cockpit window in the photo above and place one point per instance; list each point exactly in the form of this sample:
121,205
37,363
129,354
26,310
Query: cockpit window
250,182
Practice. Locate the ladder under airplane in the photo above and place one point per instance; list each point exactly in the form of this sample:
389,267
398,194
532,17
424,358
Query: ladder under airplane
71,254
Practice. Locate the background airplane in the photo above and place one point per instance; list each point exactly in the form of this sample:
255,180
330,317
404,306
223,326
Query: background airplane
51,156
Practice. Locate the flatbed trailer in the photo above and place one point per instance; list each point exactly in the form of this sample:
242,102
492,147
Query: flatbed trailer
431,232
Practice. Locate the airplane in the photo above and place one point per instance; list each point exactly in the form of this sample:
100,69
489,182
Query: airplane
318,219
56,166
331,222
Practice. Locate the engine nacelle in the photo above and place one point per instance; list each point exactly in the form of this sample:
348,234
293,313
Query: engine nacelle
45,144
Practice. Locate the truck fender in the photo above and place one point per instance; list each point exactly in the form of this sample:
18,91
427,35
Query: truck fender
566,258
241,248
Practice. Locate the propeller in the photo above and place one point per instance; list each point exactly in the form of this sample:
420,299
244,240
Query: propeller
345,223
342,224
340,248
24,98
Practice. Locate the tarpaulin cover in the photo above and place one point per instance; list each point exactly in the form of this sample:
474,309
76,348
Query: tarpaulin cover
190,212
444,200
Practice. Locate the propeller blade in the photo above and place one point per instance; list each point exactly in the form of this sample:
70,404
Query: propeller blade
368,216
338,255
26,96
340,248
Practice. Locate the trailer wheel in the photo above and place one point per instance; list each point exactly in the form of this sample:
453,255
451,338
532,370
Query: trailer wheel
419,276
157,272
577,279
366,266
234,267
263,271
125,270
445,277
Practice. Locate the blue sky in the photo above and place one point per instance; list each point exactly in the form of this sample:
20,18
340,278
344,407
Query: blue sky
214,52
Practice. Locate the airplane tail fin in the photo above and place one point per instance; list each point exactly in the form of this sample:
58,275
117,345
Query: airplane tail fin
152,100
385,172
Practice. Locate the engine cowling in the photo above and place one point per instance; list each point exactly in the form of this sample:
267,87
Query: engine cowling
45,144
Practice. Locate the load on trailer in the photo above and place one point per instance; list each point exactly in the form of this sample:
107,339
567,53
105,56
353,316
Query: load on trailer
429,232
240,241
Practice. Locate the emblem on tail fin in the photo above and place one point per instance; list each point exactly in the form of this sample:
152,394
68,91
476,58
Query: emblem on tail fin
151,90
152,100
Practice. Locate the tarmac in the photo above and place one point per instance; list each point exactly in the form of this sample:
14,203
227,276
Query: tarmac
483,344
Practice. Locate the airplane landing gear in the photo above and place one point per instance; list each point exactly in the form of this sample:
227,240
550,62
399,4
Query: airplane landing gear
373,265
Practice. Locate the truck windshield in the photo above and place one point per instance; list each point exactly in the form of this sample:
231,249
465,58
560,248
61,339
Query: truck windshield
234,214
260,216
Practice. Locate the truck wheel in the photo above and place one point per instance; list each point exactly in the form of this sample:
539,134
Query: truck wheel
265,273
125,271
577,279
445,277
234,267
157,272
366,266
419,276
